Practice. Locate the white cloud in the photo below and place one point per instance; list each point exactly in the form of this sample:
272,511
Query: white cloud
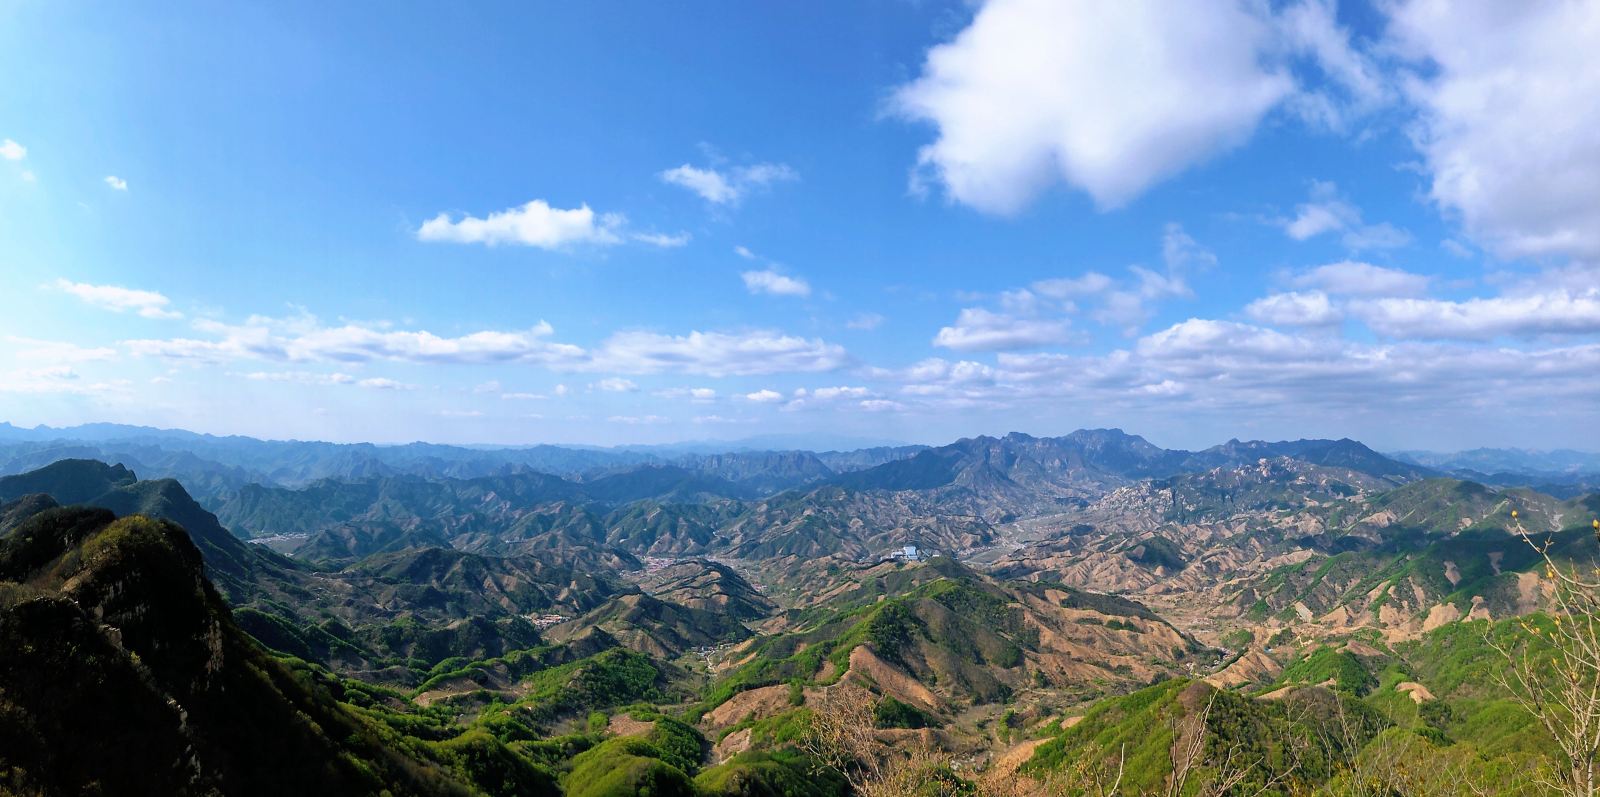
491,386
833,393
314,378
1509,128
1165,387
1199,337
523,396
1354,278
303,338
977,329
12,151
460,414
116,183
728,187
772,282
1130,307
533,224
716,354
300,377
616,385
663,240
28,176
148,304
1554,312
636,420
1110,98
1353,84
1250,374
721,419
1036,315
710,184
699,395
840,396
764,396
935,374
1326,211
1308,309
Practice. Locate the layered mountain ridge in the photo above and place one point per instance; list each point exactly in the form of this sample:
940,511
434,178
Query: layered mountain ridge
671,623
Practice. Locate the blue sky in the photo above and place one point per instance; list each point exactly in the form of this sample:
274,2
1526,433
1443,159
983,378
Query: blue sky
645,222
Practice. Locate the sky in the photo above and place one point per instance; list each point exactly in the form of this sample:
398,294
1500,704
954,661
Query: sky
631,222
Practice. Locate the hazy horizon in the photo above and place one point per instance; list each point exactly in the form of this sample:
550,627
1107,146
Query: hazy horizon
798,442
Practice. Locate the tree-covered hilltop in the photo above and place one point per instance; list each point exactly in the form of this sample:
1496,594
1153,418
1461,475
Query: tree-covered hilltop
124,672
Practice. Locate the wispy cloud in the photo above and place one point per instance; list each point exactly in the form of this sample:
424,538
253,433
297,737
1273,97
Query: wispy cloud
977,329
1327,212
1354,278
717,353
663,240
616,385
304,338
535,224
774,283
764,396
1553,312
336,378
148,304
1506,119
728,187
771,280
1305,309
699,395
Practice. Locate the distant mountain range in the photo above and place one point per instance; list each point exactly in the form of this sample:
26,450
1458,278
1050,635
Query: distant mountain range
476,619
212,466
750,505
1494,460
1563,472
